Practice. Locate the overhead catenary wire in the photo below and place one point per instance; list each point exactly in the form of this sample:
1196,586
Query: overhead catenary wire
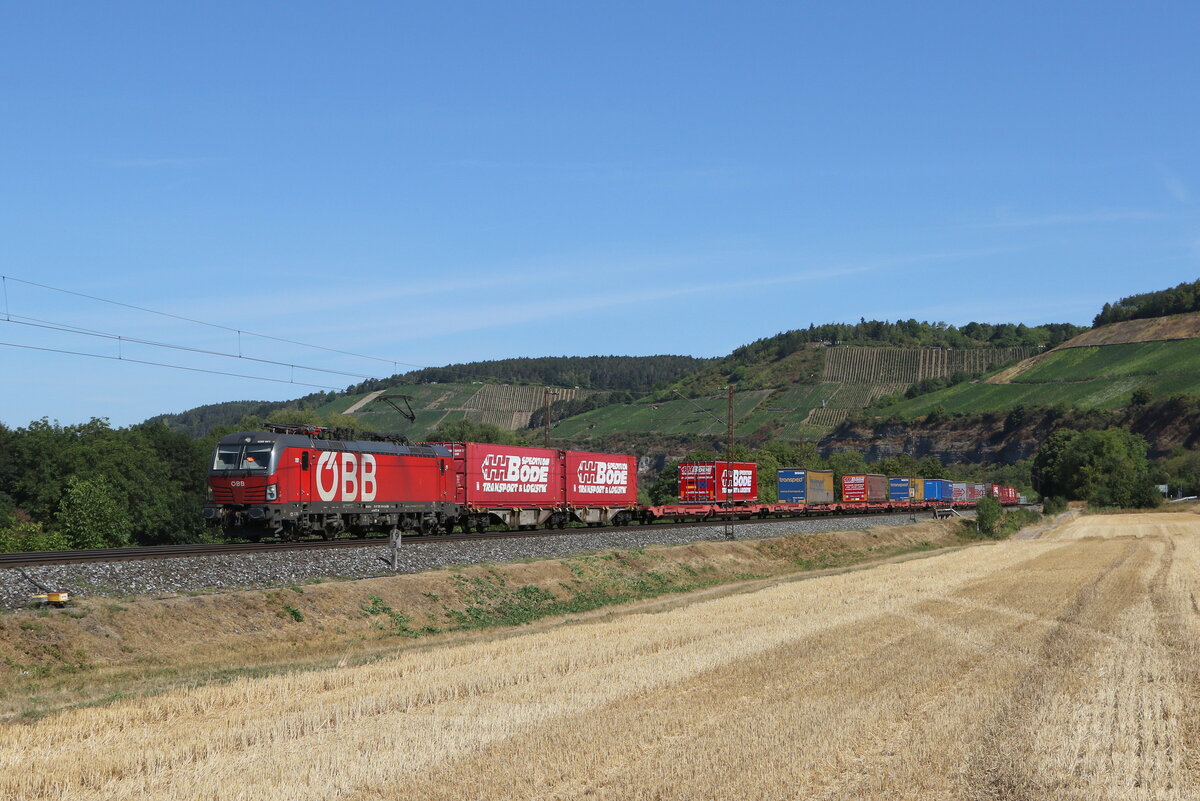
35,322
238,331
171,366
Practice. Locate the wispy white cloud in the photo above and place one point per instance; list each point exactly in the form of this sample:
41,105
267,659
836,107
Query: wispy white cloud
153,162
482,317
606,171
1083,218
1174,185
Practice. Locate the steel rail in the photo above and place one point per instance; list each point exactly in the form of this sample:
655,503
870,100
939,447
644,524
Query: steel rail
34,558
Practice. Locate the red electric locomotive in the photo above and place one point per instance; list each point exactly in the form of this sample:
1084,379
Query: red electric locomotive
290,482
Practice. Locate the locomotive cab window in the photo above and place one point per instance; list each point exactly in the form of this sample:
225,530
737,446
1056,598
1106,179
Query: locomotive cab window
256,457
229,457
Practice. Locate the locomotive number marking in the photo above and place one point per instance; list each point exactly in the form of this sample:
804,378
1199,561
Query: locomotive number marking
345,479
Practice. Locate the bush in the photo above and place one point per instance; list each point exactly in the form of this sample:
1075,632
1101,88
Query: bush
1055,504
987,516
1016,520
29,536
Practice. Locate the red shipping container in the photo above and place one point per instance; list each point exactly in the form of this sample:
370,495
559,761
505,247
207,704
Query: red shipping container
507,475
864,488
718,482
601,479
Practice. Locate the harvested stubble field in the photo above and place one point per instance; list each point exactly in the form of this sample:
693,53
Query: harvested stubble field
1064,667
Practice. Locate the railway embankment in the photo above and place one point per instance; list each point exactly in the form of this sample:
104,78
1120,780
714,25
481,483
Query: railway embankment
160,578
93,648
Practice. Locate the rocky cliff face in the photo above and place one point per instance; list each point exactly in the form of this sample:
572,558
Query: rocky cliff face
951,442
1166,424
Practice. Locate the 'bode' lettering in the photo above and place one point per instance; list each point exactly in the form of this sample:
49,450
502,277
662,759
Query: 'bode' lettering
505,472
595,477
738,480
346,479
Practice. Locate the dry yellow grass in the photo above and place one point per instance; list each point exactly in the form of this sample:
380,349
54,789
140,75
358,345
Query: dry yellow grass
99,647
1053,668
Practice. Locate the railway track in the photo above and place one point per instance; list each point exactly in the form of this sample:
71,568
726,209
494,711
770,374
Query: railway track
32,558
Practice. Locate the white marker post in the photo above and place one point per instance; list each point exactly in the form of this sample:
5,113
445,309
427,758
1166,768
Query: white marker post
394,541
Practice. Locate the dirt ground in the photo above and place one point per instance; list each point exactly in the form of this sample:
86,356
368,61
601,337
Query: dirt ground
1062,667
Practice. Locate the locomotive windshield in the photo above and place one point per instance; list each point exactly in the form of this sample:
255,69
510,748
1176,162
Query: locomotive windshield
236,456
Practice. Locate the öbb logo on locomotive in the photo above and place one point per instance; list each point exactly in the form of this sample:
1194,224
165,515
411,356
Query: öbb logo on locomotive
345,479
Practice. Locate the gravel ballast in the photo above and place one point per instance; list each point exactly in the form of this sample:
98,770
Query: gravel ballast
167,577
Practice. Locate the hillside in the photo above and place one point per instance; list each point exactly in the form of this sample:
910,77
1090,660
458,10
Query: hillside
801,383
851,378
457,391
506,406
1100,369
637,374
1177,326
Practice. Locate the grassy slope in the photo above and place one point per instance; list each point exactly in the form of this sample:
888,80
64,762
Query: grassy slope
1088,378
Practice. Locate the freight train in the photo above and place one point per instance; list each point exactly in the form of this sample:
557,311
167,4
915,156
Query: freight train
297,481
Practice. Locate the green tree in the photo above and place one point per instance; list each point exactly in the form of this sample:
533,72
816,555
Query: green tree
665,488
90,516
1104,467
295,417
349,422
936,415
931,467
847,461
464,430
987,516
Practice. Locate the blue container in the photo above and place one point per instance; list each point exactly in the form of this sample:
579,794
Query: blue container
806,486
898,488
938,489
793,486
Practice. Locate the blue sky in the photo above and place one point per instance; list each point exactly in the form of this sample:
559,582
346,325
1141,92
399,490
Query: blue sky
444,182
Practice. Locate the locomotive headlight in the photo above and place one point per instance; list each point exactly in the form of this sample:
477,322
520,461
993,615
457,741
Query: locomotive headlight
272,492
